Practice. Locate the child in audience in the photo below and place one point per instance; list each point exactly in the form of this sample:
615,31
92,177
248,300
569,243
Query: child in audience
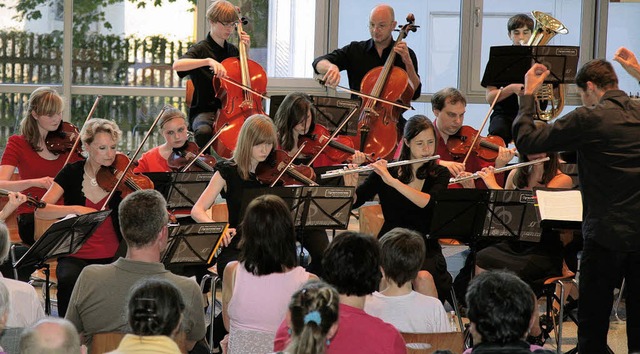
397,303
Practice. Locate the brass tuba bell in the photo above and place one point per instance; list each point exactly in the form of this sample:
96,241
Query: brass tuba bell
549,99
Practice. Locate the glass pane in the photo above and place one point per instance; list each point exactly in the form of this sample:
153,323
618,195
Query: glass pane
621,31
114,45
30,49
436,43
133,114
496,13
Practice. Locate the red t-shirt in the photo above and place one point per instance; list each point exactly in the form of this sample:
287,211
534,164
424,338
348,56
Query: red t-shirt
152,161
30,165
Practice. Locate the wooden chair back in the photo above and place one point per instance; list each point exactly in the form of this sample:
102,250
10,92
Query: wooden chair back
426,343
370,219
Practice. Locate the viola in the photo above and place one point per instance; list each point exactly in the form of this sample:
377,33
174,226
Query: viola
30,200
339,149
377,132
238,103
267,171
63,139
485,148
107,177
181,157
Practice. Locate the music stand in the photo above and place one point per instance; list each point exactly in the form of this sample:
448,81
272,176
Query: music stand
193,244
459,214
509,64
512,214
181,190
328,111
317,207
61,238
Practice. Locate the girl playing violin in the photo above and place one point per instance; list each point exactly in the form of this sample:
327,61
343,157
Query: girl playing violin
295,119
405,193
202,61
28,153
82,194
173,126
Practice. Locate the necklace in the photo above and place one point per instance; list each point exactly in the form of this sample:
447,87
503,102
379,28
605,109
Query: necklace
92,180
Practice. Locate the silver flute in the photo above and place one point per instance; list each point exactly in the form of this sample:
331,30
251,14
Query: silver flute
342,172
498,170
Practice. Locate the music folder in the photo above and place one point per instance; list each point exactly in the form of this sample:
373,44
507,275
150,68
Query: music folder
193,244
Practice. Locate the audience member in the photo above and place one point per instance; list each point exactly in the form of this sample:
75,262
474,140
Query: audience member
313,318
51,336
257,287
352,265
98,299
409,311
154,312
501,309
26,308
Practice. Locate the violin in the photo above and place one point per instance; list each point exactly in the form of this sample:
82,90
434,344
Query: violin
238,100
107,177
338,150
30,200
485,148
181,157
63,139
377,132
267,171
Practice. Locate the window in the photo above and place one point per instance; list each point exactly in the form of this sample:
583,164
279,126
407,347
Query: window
621,31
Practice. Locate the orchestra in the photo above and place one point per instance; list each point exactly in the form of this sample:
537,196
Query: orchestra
403,161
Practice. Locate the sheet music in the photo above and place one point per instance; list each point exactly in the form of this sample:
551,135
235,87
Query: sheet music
562,205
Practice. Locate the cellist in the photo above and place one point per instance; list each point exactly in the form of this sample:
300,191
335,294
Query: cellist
357,58
202,61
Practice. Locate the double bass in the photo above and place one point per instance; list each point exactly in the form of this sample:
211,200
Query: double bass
244,77
377,132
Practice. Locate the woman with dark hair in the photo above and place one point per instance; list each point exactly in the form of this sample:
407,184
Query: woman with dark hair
405,193
154,311
294,119
28,154
257,287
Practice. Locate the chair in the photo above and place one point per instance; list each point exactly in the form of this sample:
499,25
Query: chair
549,292
425,343
371,219
211,310
105,342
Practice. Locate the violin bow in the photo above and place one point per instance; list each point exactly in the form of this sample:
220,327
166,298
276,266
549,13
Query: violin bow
335,132
246,88
131,160
205,147
75,143
484,122
358,93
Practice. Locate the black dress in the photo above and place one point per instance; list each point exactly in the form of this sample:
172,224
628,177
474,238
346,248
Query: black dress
399,211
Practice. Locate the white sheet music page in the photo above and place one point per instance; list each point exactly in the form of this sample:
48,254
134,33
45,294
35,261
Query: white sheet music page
563,205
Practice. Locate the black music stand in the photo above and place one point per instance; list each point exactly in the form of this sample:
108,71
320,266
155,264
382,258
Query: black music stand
328,111
317,207
193,244
459,214
181,190
512,214
509,64
61,238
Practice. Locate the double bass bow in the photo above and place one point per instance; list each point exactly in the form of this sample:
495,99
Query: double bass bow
377,132
241,94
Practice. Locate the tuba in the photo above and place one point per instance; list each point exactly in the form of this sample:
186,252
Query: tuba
549,99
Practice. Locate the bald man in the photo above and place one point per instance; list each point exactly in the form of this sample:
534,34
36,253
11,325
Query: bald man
51,336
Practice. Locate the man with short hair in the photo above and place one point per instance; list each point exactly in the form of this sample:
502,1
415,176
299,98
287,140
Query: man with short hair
98,299
604,133
51,336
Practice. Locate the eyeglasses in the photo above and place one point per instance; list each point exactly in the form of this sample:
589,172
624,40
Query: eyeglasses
380,26
229,24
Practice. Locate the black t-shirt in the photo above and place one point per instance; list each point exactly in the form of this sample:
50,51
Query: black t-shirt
204,97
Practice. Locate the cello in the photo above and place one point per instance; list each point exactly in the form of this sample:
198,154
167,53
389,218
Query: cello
377,132
239,100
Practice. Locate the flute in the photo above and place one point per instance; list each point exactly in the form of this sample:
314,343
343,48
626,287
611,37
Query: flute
498,170
342,172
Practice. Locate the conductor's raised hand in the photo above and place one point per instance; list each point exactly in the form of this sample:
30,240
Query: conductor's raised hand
628,60
534,78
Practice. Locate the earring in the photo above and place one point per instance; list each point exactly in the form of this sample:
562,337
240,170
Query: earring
289,331
328,342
